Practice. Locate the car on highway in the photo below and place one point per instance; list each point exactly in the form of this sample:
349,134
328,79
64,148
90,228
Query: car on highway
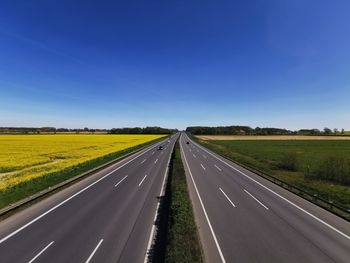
160,147
187,142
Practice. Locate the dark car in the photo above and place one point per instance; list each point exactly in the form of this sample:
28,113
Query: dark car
160,147
187,142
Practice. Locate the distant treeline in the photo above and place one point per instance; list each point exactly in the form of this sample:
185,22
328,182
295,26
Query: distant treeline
138,130
35,130
246,130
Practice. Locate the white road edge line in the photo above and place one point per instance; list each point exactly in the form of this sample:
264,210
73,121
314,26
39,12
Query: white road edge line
156,161
94,251
142,180
205,212
256,199
222,191
121,180
144,161
217,167
74,195
203,167
42,251
150,240
283,198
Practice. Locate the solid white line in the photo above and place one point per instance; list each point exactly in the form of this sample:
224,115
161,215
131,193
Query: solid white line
153,153
74,195
42,251
227,197
194,156
205,212
121,181
150,239
217,167
283,198
156,161
94,251
256,199
144,161
203,167
142,180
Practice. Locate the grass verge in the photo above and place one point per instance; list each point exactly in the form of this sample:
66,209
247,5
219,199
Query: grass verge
177,236
26,189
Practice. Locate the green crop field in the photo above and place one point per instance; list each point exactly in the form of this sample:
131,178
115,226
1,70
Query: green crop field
319,167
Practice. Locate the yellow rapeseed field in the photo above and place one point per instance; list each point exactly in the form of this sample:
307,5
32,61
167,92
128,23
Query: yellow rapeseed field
24,157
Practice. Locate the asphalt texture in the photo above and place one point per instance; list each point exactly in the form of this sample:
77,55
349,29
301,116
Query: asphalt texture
242,217
107,217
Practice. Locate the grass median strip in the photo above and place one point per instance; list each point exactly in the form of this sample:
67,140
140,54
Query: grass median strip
177,230
183,242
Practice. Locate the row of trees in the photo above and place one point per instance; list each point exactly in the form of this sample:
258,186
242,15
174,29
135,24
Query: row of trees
246,130
33,130
325,131
138,130
236,130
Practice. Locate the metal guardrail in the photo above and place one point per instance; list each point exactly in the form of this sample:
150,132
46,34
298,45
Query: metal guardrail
51,189
313,198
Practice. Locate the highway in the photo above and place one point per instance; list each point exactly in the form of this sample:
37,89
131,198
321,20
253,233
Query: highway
107,217
245,218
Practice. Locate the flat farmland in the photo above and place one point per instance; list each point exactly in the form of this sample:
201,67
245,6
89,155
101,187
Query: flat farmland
317,166
32,162
272,137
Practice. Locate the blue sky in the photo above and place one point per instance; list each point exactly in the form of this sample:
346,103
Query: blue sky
104,64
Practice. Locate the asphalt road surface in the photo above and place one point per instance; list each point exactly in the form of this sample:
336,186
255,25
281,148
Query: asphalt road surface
107,217
245,218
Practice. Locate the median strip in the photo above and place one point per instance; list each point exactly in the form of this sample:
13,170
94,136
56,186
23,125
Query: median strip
177,237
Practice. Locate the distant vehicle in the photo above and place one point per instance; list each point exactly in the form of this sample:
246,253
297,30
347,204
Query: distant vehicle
187,142
160,147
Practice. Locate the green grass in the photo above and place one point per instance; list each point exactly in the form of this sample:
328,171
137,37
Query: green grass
28,188
299,163
182,239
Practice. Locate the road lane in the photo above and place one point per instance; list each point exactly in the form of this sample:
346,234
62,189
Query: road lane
102,211
262,227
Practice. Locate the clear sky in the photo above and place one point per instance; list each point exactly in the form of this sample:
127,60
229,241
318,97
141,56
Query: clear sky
104,64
